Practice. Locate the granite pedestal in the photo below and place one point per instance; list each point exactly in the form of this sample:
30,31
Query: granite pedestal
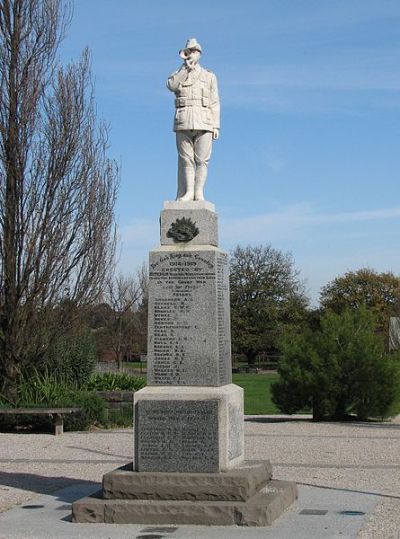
189,318
201,213
188,429
188,465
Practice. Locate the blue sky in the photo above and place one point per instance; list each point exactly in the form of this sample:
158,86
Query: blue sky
308,159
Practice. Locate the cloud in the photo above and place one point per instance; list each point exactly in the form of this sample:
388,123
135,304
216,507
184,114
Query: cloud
324,244
366,215
294,221
140,235
344,77
367,70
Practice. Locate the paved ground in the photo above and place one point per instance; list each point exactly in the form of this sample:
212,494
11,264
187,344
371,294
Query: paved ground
339,467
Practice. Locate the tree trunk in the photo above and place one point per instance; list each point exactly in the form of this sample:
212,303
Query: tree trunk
318,412
9,374
340,411
9,321
251,356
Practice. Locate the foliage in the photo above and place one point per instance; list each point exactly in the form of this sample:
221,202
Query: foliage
120,418
40,390
114,381
43,390
380,292
93,411
72,358
337,370
266,297
57,186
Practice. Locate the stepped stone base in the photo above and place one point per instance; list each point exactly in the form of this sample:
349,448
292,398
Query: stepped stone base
260,510
246,496
239,484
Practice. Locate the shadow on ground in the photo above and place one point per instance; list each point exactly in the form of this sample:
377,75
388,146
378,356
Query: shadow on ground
262,419
372,425
340,489
98,452
346,423
41,484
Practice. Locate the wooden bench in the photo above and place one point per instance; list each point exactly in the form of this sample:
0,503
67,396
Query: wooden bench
57,415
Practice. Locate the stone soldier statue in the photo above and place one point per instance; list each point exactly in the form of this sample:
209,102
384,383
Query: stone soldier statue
196,120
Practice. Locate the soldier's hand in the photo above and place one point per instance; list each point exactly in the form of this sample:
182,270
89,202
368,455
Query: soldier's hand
189,64
215,134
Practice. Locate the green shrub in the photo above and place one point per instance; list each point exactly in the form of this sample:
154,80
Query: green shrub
114,381
93,411
72,358
338,370
120,418
42,390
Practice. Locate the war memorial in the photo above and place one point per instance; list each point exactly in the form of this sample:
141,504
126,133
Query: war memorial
188,463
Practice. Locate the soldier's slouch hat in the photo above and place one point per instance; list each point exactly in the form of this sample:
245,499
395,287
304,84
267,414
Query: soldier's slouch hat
191,44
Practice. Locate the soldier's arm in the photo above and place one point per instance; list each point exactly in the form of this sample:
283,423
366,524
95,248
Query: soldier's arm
176,78
214,104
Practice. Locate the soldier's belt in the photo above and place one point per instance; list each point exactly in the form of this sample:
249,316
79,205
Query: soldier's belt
189,102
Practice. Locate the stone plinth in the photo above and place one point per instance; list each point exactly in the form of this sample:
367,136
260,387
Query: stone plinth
201,213
244,496
237,484
181,429
189,340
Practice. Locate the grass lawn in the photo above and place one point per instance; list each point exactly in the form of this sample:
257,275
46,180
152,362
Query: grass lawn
134,364
257,392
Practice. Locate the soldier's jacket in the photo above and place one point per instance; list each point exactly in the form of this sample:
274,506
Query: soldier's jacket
196,100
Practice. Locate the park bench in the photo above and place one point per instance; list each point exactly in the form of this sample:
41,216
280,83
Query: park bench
57,415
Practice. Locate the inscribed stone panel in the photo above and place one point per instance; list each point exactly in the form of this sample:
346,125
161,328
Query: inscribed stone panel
177,436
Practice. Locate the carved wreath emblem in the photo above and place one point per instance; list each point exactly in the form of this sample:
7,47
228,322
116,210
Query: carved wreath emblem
183,230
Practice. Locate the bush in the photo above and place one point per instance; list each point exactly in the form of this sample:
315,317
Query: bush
114,381
338,370
93,411
72,358
42,390
120,418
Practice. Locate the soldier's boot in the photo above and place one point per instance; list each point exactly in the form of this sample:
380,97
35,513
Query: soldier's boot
189,195
181,180
201,176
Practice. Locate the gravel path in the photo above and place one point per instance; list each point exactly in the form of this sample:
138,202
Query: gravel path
361,457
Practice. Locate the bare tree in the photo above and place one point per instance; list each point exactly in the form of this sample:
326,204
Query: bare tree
57,186
123,320
141,318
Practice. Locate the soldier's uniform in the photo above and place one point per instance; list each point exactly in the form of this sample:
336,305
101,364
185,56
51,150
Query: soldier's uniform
197,115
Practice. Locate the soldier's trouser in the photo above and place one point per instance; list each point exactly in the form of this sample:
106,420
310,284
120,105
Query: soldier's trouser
194,152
